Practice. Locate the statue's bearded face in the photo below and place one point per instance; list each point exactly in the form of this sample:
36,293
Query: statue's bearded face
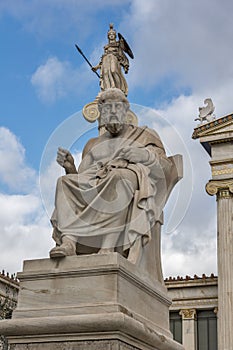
113,115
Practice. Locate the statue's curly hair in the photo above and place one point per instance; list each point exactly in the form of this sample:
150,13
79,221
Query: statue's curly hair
112,94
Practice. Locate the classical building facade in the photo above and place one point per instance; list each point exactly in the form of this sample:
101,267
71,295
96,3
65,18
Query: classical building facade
193,313
9,287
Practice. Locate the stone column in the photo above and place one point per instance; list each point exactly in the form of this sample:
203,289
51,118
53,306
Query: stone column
189,329
217,139
224,192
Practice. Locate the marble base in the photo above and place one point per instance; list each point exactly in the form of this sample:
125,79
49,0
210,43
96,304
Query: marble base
87,345
89,302
80,345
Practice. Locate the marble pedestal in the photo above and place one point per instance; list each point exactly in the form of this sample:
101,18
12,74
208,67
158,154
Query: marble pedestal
88,302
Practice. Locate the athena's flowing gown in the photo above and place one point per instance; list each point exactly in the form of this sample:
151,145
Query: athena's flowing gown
111,75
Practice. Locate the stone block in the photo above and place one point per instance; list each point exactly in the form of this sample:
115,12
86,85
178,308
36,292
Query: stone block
90,284
89,302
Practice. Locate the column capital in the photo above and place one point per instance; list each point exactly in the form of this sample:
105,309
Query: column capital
222,188
188,314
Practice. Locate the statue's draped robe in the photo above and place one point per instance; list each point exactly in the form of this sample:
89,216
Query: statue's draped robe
109,195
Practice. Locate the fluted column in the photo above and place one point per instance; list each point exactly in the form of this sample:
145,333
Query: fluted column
224,192
189,329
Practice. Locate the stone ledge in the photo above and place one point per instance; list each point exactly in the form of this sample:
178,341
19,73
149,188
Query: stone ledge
76,345
91,326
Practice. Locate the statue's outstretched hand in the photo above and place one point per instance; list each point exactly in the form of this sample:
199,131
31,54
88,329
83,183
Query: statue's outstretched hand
66,160
95,68
135,154
126,69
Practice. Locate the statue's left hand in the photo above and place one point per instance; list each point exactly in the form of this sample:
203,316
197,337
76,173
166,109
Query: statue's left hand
66,160
135,154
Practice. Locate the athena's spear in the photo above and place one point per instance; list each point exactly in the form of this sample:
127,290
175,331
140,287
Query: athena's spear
80,51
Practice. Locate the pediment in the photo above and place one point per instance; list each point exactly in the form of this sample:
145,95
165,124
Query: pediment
220,126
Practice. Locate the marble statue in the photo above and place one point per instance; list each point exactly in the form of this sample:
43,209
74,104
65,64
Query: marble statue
112,62
115,198
206,112
104,275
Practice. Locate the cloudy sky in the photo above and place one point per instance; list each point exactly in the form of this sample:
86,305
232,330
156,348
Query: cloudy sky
183,54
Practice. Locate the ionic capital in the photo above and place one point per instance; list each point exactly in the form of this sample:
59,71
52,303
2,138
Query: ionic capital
188,314
222,188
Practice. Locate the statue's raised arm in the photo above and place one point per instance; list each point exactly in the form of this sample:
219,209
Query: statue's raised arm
112,62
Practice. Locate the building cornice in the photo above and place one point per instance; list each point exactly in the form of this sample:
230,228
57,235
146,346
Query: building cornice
212,126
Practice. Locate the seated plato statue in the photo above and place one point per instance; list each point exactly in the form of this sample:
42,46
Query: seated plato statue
117,195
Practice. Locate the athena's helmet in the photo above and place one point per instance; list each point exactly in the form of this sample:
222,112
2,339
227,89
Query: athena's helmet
111,30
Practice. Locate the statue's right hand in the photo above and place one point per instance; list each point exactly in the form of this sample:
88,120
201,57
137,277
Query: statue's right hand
66,160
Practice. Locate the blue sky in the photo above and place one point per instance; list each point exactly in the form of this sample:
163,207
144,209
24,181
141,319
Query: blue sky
183,54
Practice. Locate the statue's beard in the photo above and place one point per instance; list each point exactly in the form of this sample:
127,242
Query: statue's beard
114,128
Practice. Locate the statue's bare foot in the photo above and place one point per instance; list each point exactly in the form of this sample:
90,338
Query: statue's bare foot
57,252
66,249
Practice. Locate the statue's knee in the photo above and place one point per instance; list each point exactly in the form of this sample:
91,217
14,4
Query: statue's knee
61,180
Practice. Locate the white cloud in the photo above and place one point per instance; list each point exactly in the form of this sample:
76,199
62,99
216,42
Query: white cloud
17,207
25,229
200,260
14,171
187,41
49,79
55,79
